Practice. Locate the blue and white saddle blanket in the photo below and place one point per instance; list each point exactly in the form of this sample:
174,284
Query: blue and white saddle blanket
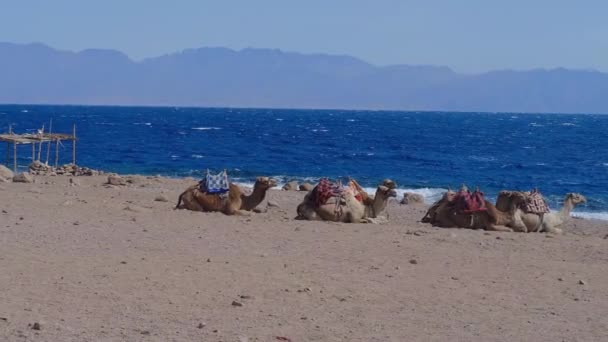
215,184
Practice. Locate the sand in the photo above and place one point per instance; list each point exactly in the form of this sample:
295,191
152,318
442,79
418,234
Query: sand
96,263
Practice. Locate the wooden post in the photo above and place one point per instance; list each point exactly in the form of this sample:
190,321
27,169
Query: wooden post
40,144
15,157
74,145
56,153
48,150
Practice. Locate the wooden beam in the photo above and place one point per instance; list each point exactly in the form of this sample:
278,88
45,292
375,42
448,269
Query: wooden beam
15,157
74,145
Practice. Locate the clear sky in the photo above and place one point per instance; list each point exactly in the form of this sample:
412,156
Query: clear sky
467,35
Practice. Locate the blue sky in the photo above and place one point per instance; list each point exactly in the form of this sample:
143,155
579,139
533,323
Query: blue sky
467,35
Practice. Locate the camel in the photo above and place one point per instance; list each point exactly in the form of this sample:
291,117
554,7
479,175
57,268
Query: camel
443,214
236,203
531,222
347,208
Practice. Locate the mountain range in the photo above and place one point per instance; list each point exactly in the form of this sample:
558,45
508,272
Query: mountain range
270,78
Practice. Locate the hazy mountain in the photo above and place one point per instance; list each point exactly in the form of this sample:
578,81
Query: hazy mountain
36,73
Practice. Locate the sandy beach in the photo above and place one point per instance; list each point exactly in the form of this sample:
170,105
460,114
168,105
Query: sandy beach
92,262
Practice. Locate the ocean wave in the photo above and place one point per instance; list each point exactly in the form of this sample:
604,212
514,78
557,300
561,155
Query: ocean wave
197,156
143,123
590,215
206,128
568,124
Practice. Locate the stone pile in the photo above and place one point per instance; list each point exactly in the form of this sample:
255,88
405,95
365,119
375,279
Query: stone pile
38,168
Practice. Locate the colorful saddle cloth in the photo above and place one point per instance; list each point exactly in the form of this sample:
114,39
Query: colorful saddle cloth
215,184
467,202
535,203
326,190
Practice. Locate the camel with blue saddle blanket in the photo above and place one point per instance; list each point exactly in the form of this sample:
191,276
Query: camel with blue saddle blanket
334,202
230,199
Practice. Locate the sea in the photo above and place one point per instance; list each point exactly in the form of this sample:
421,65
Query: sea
424,152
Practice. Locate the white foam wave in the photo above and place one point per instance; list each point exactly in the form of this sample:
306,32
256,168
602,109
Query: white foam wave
590,215
205,128
143,123
197,156
568,124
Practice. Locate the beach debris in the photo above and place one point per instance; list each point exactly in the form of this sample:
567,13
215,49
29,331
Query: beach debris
291,186
137,209
273,204
306,187
235,303
414,262
161,198
6,173
116,180
74,182
582,282
560,279
201,325
42,169
412,198
23,177
283,338
144,332
245,297
35,326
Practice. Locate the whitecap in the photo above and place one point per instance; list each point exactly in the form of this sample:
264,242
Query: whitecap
143,123
568,124
205,128
590,215
25,111
351,120
534,124
279,119
197,156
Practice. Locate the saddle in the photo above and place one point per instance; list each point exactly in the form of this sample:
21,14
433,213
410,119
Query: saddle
326,190
215,184
535,203
467,202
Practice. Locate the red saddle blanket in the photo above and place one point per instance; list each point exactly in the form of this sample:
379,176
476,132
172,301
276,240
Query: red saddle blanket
467,202
326,190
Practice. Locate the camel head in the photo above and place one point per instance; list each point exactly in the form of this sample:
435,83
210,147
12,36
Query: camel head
265,183
384,192
575,198
389,183
449,196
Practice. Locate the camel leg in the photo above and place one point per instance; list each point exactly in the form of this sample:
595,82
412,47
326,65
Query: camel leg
553,230
496,228
242,213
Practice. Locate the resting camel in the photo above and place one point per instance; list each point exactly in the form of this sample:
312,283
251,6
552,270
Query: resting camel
347,208
531,222
235,203
443,214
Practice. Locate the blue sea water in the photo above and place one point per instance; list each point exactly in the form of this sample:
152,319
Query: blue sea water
423,151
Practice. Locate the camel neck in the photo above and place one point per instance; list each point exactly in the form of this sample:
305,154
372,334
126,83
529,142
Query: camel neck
256,197
566,208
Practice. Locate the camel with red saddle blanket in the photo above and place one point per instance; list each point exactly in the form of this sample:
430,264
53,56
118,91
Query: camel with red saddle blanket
465,209
533,214
350,203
